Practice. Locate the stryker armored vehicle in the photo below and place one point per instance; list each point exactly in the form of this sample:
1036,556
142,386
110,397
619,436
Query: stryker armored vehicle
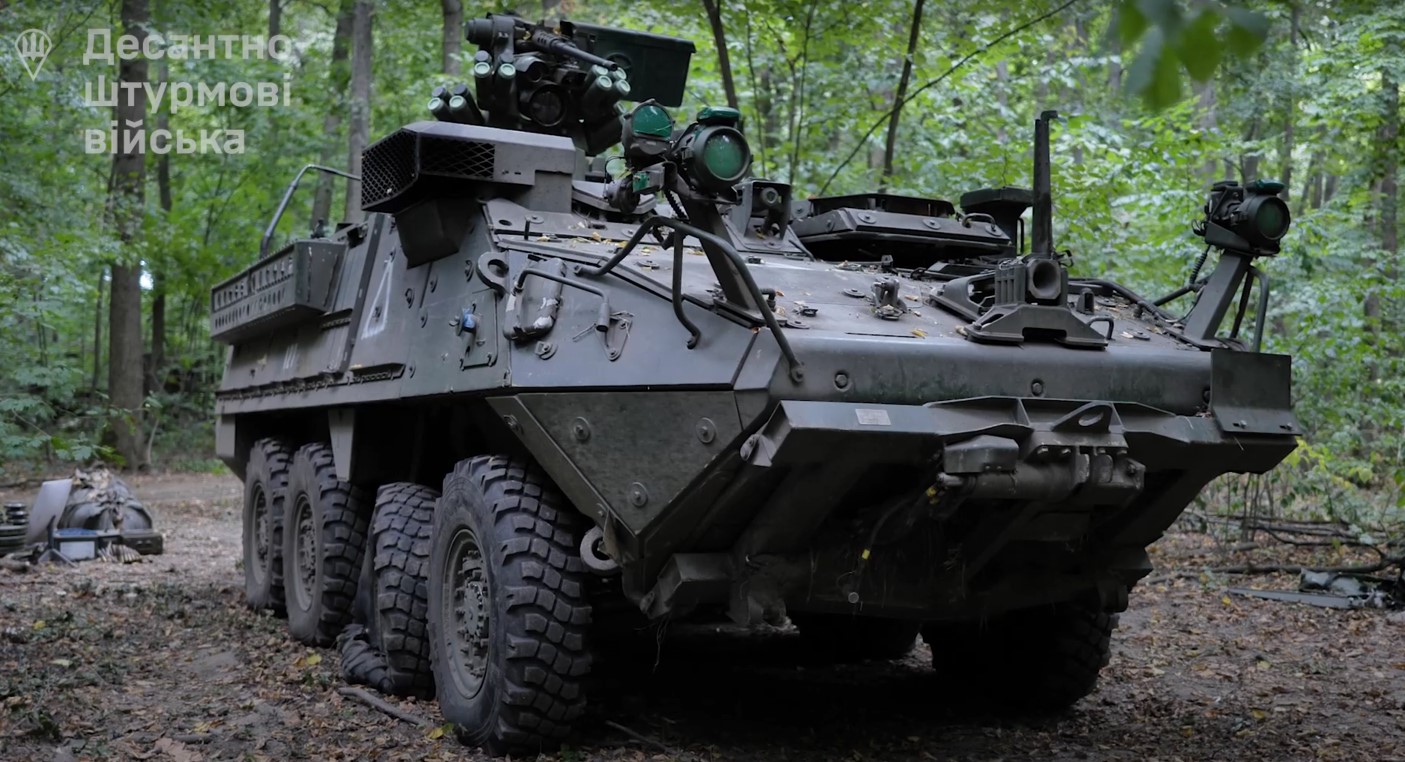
578,361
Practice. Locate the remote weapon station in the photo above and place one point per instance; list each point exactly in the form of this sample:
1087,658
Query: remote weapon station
578,362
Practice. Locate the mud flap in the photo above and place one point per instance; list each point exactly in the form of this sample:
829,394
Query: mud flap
1251,393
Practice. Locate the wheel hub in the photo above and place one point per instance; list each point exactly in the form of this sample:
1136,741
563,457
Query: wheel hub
262,540
470,602
305,547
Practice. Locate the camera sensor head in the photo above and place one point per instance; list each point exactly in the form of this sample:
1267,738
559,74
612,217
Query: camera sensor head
1251,219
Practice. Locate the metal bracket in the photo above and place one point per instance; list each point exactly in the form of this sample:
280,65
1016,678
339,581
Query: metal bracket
682,230
544,297
602,318
1251,392
1012,324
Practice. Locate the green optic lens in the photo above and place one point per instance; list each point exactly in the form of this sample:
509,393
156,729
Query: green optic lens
1271,219
725,155
482,69
507,71
653,121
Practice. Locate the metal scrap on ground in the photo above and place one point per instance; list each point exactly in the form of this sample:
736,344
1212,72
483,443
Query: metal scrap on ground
1333,590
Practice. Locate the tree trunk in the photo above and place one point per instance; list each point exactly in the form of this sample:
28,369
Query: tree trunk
798,74
758,101
1249,163
158,334
275,18
158,269
1311,193
97,329
1002,96
338,76
360,110
890,147
1389,142
1290,116
1114,65
1388,189
453,36
770,127
124,369
1207,122
724,61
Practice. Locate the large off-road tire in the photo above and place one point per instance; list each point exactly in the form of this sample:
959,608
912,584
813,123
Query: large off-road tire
508,610
1038,660
324,536
846,638
265,490
399,550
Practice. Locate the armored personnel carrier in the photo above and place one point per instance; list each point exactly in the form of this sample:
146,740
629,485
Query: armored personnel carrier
577,357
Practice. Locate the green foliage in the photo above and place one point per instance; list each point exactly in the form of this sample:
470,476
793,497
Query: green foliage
1172,37
1224,81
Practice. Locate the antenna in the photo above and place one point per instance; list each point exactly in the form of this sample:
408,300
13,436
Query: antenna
1042,240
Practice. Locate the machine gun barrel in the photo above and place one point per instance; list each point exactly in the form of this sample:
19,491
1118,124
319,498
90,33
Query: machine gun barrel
550,42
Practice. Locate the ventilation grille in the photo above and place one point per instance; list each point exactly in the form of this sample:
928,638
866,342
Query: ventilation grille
461,159
387,168
403,168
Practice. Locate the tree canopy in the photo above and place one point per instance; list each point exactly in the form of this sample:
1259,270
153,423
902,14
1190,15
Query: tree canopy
1159,98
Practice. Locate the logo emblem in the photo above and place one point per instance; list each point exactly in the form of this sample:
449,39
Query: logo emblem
33,46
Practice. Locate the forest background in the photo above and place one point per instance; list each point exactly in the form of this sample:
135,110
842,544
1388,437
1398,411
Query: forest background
106,259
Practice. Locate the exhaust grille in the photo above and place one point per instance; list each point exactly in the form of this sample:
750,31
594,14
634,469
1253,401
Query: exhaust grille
405,167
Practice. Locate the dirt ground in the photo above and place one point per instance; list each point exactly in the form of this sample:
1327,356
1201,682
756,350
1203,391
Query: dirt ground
161,660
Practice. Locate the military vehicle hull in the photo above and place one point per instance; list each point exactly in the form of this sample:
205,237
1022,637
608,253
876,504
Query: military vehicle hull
715,469
868,414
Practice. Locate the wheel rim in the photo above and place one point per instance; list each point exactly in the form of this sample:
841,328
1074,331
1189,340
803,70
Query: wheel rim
466,610
304,553
262,540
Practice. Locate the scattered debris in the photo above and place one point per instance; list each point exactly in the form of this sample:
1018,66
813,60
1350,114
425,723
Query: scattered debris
362,663
1335,590
361,696
193,660
641,738
101,500
1321,600
93,514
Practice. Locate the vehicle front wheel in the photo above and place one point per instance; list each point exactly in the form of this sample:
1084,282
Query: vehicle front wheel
508,611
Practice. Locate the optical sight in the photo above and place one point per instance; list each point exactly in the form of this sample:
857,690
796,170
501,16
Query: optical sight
1251,218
